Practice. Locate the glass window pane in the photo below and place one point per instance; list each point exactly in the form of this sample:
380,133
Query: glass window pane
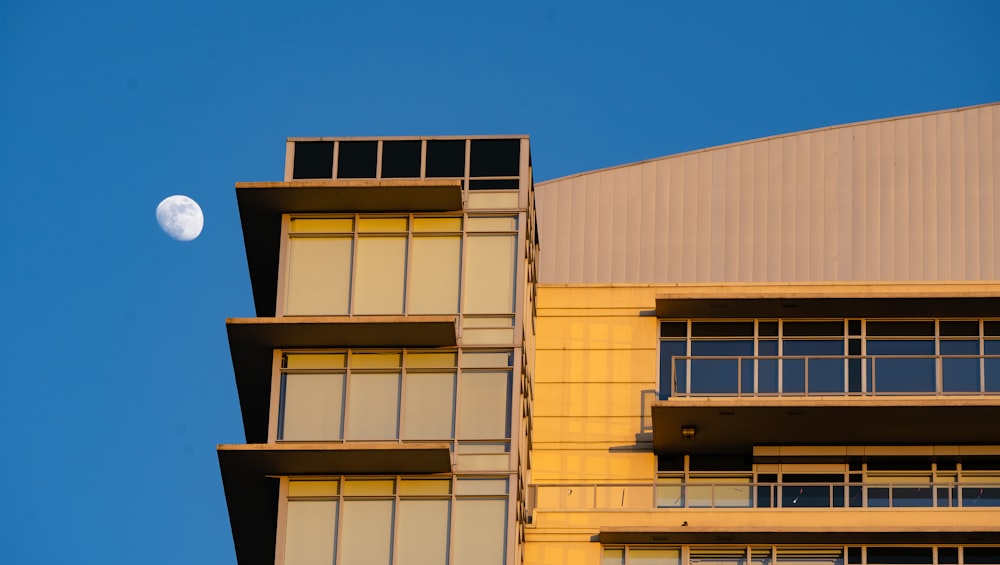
376,360
491,200
313,488
670,349
315,360
429,360
614,556
380,275
434,275
486,359
373,406
429,406
489,274
487,336
309,532
319,275
368,487
481,486
425,486
437,224
480,532
422,537
484,405
322,225
313,407
491,224
365,534
381,224
654,556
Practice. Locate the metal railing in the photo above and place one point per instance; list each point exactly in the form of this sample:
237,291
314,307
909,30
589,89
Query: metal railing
643,496
834,375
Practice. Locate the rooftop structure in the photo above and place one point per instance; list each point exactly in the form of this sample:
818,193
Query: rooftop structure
783,350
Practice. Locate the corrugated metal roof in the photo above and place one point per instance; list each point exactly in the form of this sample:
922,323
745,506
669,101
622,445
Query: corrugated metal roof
900,199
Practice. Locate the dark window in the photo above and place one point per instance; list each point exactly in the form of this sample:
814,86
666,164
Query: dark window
893,329
947,555
767,329
673,329
495,158
313,160
991,328
722,329
901,555
810,329
964,328
494,184
358,159
981,555
720,463
400,159
446,158
854,327
854,555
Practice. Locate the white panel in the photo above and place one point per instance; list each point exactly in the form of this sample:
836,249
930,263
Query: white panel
309,533
365,534
480,532
422,538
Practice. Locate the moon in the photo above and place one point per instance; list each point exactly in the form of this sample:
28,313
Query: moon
180,217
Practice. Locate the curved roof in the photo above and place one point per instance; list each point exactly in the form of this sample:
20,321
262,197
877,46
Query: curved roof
899,199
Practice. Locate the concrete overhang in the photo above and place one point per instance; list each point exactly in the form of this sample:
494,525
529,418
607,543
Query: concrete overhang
735,425
249,477
261,205
801,535
252,342
876,304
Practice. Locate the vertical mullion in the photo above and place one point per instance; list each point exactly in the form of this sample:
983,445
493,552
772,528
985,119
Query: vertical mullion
938,362
336,159
394,533
423,158
982,357
355,243
348,377
864,358
687,353
378,160
401,391
781,357
407,254
847,366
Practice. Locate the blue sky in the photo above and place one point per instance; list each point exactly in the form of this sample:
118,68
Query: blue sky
116,382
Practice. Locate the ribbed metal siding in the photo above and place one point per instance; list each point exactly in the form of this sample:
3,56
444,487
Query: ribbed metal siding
903,199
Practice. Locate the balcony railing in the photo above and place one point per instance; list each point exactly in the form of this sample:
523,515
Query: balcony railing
834,375
748,495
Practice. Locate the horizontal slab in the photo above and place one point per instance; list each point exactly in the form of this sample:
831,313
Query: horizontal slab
920,304
252,342
249,471
737,425
816,535
261,205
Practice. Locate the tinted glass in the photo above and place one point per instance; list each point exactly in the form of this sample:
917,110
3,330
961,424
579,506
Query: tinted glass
446,158
357,160
495,158
313,160
400,159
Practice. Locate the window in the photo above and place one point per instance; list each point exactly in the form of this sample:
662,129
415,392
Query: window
829,357
409,395
396,520
385,265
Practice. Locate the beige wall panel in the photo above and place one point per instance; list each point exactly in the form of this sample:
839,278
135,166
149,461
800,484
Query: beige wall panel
592,399
585,429
596,365
592,466
901,199
596,333
561,553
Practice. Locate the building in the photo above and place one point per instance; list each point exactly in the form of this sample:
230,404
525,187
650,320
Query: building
783,350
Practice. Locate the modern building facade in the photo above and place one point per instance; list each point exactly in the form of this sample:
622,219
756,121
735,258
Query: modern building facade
783,350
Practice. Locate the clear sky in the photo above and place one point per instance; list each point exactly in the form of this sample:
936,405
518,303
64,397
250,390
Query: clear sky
115,377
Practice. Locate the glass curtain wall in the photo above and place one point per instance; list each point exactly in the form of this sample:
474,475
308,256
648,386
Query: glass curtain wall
391,265
829,357
396,521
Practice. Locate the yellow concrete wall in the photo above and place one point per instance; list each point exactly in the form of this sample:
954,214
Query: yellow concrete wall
595,377
592,464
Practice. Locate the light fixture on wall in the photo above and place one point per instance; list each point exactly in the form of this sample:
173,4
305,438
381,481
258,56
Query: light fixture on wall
687,432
